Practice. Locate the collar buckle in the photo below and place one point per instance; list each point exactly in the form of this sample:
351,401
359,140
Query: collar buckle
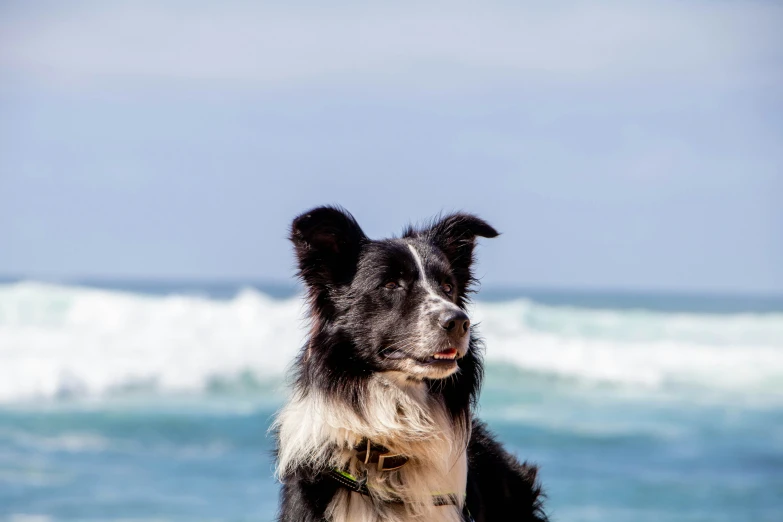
370,453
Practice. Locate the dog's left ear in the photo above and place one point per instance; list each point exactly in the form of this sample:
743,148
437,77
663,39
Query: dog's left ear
456,235
327,242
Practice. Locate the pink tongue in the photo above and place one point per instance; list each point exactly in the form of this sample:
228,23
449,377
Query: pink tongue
450,351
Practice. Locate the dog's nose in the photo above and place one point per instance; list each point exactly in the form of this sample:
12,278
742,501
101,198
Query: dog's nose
454,322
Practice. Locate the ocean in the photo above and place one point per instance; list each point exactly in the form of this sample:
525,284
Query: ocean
151,401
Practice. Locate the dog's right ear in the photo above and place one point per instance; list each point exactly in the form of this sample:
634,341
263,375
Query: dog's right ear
327,241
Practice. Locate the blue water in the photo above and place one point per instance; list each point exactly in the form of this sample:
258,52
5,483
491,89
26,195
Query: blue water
153,402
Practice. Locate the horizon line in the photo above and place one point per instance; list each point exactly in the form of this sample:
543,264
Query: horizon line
292,284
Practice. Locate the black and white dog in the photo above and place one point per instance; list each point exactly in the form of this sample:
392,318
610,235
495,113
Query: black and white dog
380,426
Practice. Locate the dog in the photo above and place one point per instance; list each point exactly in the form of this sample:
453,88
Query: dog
380,426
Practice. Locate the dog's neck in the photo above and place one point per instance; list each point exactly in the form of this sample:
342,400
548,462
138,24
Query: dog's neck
417,389
320,431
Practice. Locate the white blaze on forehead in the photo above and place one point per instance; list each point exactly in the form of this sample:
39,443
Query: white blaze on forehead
424,279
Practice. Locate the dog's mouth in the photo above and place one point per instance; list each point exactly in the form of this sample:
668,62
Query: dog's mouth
435,365
446,357
449,354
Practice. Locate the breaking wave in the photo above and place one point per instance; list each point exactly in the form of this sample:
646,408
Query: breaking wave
60,341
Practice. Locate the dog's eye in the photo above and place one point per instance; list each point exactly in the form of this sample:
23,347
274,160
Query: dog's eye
391,285
447,288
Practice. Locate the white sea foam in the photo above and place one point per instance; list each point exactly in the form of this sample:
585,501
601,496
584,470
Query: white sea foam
60,340
57,340
72,442
26,517
652,349
89,442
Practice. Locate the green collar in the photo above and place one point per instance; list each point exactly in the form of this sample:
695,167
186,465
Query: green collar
348,481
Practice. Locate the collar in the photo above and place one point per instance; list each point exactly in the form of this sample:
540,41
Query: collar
372,453
350,482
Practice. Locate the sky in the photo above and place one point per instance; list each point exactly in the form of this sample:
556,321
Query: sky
616,145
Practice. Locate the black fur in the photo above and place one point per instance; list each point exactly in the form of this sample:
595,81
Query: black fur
499,487
364,301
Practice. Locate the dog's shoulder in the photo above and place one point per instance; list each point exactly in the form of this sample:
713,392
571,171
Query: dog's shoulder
498,484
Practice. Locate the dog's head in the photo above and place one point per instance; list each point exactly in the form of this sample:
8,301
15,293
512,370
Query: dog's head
400,303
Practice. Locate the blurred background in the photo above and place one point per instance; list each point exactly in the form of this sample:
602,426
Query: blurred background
152,155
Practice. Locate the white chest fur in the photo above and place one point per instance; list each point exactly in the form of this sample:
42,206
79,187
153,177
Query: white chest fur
320,431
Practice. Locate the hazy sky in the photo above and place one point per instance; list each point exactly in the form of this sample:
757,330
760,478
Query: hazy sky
622,144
